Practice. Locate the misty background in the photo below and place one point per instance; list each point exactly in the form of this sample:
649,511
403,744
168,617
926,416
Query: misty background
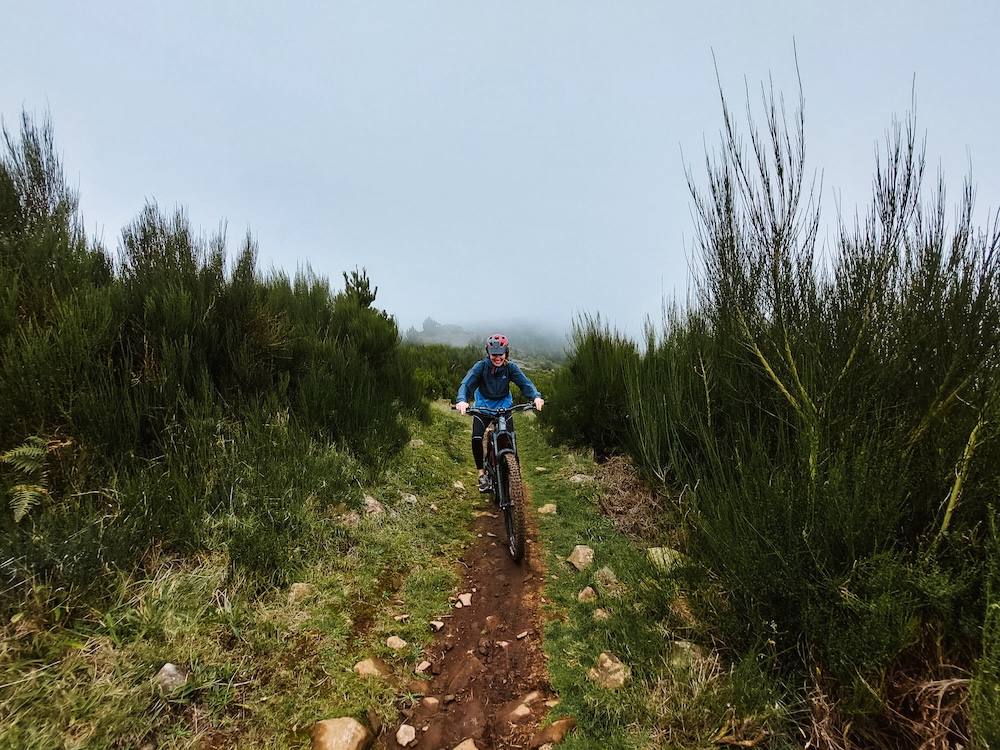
490,165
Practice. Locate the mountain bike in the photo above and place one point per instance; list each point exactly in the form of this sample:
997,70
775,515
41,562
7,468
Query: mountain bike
501,464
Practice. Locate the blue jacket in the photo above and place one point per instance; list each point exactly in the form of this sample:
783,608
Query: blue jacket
490,386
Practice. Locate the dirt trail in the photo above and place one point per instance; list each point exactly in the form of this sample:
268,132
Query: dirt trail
481,670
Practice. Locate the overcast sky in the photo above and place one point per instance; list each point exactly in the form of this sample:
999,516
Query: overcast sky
523,155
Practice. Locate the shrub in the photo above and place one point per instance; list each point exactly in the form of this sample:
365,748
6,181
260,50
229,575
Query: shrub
179,402
827,422
588,405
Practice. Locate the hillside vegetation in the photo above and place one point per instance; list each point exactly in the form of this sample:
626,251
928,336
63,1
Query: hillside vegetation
824,432
170,397
183,438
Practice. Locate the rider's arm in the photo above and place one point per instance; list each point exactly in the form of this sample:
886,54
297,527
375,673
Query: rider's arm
469,382
519,379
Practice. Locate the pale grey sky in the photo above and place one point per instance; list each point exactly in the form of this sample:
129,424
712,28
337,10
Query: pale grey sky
453,148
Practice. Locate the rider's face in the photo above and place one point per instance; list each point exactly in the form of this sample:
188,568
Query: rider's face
496,359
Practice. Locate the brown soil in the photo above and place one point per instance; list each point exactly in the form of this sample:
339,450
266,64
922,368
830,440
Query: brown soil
481,670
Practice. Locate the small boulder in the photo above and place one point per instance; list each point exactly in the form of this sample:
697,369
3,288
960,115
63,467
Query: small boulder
554,733
374,667
587,595
373,507
581,557
601,614
410,498
549,509
170,677
608,582
580,478
416,443
341,734
519,713
466,745
531,697
395,642
609,672
465,599
406,735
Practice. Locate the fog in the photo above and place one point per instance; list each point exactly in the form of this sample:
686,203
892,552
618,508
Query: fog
484,162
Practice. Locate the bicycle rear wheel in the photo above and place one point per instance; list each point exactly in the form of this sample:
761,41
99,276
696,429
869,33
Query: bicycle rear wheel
513,513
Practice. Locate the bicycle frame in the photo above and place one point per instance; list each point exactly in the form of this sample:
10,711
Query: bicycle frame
502,466
500,439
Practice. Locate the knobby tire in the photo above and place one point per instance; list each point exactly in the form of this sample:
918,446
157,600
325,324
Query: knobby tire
510,474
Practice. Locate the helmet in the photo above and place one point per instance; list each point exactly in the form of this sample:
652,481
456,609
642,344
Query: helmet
497,344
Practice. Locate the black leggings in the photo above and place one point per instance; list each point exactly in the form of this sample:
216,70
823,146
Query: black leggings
478,428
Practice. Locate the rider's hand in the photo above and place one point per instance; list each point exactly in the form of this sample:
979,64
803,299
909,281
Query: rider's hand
462,406
538,403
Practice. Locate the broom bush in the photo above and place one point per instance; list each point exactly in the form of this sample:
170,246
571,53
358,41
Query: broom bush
826,425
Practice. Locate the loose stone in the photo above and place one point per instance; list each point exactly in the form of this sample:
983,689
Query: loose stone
340,734
374,667
609,672
554,733
170,677
406,735
581,557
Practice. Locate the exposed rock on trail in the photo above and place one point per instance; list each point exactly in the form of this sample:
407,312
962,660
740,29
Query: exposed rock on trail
487,684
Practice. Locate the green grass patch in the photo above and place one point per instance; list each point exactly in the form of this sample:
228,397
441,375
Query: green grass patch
264,665
680,694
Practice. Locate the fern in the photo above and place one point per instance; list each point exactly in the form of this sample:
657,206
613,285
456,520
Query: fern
28,460
24,497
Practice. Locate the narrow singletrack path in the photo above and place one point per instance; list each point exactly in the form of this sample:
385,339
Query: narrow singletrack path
488,657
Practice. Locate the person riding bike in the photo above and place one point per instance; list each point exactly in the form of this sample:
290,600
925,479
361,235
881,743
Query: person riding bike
488,382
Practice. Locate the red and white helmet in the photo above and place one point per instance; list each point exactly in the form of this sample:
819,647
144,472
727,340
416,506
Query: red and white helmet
497,344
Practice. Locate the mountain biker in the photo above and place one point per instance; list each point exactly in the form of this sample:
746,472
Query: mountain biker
488,381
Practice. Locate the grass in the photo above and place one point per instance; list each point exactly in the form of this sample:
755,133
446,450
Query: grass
263,668
681,695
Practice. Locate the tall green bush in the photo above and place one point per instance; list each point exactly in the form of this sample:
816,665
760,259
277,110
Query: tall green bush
440,368
588,405
181,400
825,420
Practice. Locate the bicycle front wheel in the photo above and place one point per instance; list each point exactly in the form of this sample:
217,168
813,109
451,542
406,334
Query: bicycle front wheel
513,514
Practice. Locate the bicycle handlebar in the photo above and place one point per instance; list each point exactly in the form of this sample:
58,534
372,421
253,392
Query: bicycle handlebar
474,411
